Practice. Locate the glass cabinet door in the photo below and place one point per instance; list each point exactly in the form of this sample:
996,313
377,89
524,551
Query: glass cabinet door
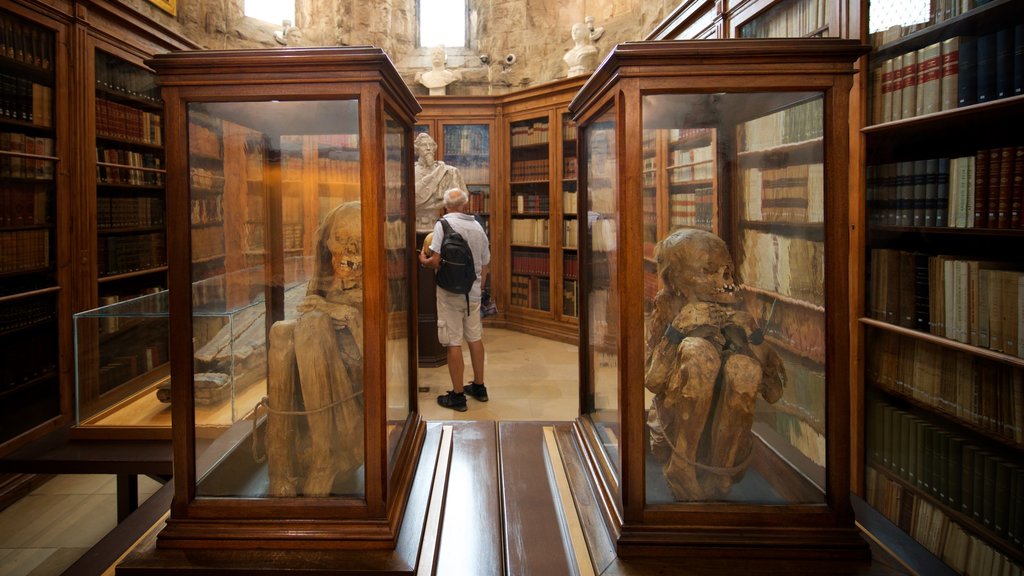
735,323
30,391
280,327
601,398
530,210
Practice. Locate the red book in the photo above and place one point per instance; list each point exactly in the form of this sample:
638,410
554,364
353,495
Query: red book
995,160
1005,187
981,189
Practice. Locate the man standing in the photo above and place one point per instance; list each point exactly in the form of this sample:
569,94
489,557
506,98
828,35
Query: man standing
454,322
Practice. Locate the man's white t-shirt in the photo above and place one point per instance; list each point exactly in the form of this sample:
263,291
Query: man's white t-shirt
474,234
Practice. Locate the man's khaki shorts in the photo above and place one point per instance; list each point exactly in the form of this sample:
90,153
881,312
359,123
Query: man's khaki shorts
453,325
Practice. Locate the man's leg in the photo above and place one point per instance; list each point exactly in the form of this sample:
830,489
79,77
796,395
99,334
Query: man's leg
476,356
456,366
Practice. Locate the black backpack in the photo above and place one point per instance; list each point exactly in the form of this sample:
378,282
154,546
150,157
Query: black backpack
458,271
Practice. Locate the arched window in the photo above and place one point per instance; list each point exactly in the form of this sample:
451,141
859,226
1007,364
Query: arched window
272,11
442,22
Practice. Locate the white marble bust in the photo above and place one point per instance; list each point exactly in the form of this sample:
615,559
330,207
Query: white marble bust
438,77
582,57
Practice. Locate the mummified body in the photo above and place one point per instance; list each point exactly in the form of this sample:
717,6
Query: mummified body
315,374
706,364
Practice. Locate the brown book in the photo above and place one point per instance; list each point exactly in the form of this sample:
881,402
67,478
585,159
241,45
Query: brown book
1004,187
981,165
1017,188
995,160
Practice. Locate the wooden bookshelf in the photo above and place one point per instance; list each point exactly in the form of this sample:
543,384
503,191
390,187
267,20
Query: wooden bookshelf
943,369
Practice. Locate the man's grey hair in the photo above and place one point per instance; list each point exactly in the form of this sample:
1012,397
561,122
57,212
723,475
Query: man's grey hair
455,198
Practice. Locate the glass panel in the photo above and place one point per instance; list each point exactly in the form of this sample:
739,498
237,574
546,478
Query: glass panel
570,231
790,19
735,325
468,148
29,387
121,359
530,199
602,194
396,246
278,263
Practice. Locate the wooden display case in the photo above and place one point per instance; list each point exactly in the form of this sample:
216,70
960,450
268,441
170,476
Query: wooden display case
302,159
725,429
943,370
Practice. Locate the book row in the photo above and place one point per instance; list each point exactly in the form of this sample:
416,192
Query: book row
956,72
529,231
797,123
25,101
531,263
25,43
530,204
528,170
570,267
468,140
21,162
971,301
118,370
476,172
24,250
987,395
940,11
529,133
570,231
570,298
570,168
984,190
208,210
569,202
961,549
789,266
792,193
124,254
531,292
206,180
788,20
25,205
124,161
692,208
26,312
115,120
479,202
700,159
980,484
116,75
131,212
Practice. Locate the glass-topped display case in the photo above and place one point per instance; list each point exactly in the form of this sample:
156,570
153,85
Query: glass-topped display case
289,203
713,207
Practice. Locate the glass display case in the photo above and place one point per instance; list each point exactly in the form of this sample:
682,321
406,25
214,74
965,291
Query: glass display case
289,198
122,375
726,428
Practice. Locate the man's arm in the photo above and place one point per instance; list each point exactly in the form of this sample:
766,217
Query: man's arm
432,261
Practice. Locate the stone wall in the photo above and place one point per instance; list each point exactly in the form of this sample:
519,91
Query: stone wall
537,32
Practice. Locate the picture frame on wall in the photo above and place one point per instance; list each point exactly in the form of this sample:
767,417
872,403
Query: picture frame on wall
169,6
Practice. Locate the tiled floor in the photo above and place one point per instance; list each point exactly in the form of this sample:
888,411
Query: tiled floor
46,531
528,378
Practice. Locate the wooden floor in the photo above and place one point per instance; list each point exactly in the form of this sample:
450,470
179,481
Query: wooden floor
503,514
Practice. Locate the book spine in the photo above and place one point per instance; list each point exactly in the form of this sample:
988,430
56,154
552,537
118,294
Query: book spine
929,77
950,72
986,68
980,189
967,80
1004,63
908,97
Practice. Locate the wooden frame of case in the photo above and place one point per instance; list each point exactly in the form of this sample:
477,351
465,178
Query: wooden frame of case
715,529
362,73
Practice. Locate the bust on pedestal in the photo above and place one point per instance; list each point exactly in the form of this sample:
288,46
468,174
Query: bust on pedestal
438,77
